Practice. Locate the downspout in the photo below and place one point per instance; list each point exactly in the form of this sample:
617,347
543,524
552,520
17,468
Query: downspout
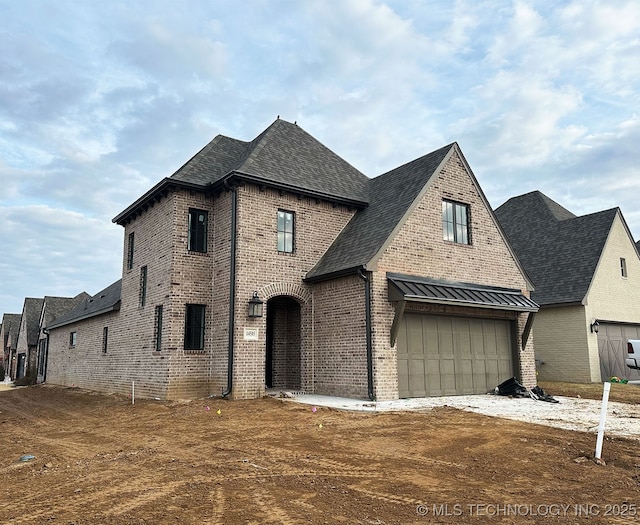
46,356
367,306
232,286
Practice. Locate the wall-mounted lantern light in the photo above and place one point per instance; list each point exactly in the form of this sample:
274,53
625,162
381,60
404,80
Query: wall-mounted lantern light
595,326
255,306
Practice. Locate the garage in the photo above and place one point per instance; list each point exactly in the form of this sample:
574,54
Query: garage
612,349
470,351
447,355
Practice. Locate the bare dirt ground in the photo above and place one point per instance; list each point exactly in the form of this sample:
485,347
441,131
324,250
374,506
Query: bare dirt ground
101,460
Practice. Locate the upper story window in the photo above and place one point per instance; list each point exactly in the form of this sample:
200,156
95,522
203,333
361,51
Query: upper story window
194,327
143,286
105,337
286,225
623,267
130,251
73,338
455,222
157,329
198,231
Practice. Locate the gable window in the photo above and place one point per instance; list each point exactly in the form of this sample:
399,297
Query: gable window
73,338
105,337
623,267
285,231
198,231
130,251
194,327
157,329
143,285
455,222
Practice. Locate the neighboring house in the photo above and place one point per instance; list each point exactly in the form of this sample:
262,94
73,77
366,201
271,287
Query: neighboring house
52,308
79,340
586,273
27,344
276,264
9,338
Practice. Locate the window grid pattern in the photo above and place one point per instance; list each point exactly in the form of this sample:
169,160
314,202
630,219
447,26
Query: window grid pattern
143,285
286,230
130,246
157,329
455,222
105,338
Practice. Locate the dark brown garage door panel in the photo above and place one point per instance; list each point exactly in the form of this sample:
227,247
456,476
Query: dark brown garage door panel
443,355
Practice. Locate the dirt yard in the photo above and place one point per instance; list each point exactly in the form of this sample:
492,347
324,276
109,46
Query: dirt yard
101,460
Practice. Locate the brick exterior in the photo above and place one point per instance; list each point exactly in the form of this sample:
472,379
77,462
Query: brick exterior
317,331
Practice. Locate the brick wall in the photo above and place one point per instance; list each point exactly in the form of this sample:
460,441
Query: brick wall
418,249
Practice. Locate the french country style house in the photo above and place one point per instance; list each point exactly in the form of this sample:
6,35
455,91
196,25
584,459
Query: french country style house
586,271
273,263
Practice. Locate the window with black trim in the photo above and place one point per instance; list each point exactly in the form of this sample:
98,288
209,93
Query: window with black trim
194,327
455,222
105,337
198,231
623,267
286,231
130,244
157,329
143,285
73,338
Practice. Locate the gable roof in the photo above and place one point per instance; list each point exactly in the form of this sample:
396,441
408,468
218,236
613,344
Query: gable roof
391,196
31,314
105,301
559,250
283,156
55,307
11,324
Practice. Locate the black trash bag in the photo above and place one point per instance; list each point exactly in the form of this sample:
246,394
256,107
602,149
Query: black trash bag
511,387
542,395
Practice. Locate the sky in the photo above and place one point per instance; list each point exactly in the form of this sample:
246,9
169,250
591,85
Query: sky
99,101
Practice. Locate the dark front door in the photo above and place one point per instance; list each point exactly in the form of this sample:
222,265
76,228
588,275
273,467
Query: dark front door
20,369
283,353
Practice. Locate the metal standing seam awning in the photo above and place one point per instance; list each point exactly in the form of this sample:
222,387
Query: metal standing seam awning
404,288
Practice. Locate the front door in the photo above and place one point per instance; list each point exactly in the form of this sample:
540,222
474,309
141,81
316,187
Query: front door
283,352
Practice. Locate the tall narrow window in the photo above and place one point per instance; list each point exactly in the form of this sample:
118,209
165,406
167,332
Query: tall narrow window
623,267
157,329
105,337
143,285
130,251
455,222
73,338
285,231
194,327
198,231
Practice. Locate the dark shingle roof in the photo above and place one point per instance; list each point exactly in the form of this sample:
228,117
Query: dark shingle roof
284,154
391,195
11,323
103,302
558,250
55,307
32,310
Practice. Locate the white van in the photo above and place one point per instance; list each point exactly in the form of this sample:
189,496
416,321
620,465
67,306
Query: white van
633,354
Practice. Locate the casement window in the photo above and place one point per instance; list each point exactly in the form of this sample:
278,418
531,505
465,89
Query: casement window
157,329
194,327
130,244
143,286
105,337
455,222
286,231
42,354
73,338
197,241
623,267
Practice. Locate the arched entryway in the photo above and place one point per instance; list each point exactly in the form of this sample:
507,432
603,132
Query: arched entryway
283,355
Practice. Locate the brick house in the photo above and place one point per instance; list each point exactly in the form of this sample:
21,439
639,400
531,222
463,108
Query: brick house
27,343
397,286
9,338
586,271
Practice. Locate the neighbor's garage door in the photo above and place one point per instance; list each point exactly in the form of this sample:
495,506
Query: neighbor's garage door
612,347
441,355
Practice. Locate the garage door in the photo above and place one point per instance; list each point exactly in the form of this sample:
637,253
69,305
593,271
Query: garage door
441,355
612,347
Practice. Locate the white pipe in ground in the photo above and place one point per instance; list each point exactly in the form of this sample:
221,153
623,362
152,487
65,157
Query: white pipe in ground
603,418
